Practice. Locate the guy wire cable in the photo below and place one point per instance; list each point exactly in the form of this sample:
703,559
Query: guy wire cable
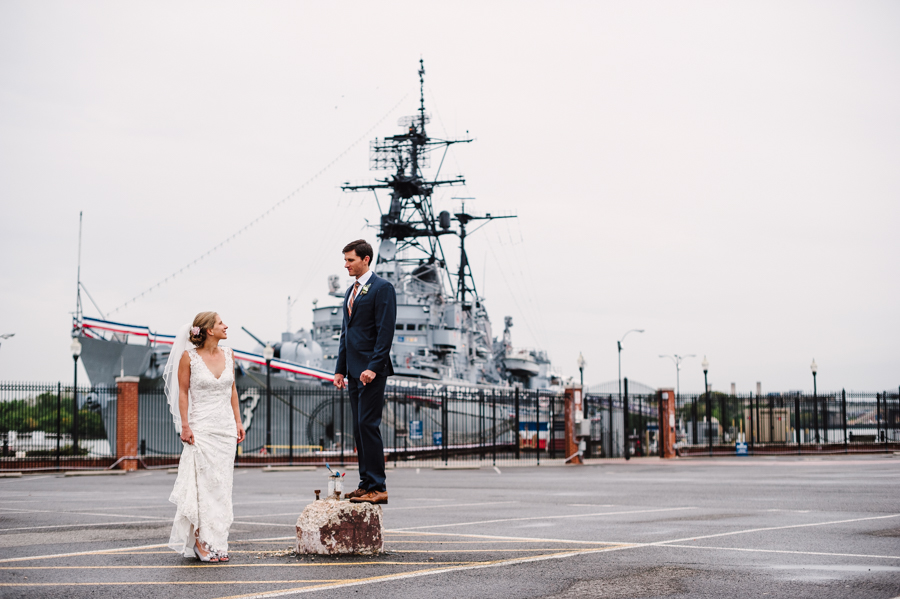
275,206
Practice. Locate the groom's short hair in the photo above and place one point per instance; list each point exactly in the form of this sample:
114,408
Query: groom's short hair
361,247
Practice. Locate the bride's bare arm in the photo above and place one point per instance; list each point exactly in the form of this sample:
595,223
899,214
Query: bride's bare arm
236,406
184,384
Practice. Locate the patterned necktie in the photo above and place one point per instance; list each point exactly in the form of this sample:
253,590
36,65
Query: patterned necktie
352,297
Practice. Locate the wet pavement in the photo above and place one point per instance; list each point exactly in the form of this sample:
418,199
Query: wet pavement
725,527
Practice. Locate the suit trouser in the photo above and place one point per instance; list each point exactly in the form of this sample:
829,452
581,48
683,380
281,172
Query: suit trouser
366,406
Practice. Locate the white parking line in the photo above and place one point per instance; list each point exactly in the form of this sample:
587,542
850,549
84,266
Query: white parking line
785,551
58,512
81,525
505,538
669,509
118,549
749,530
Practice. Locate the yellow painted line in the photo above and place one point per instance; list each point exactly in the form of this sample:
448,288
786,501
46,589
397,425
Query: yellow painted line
233,565
416,574
130,583
490,542
486,550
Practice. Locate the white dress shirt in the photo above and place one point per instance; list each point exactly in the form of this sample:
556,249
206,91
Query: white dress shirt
362,283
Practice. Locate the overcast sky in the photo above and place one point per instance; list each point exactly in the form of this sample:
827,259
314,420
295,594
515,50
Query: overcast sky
722,175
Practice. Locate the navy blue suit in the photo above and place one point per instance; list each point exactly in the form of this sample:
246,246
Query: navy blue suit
366,339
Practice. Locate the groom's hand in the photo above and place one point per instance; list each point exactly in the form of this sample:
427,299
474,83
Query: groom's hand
339,381
367,377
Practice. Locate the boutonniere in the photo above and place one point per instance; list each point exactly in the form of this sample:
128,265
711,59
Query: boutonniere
365,289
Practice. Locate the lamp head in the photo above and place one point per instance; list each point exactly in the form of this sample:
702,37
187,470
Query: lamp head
581,361
705,365
75,347
268,352
814,367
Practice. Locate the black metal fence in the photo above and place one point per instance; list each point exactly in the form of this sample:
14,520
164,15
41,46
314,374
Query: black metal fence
788,423
41,428
420,425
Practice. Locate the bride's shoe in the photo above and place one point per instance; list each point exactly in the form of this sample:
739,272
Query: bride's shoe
210,556
223,557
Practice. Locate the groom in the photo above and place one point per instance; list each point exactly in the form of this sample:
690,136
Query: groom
364,363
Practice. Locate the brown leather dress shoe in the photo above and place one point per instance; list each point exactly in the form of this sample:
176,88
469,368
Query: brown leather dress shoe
356,493
375,497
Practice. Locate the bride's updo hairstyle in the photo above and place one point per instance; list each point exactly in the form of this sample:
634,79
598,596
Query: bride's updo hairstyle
203,321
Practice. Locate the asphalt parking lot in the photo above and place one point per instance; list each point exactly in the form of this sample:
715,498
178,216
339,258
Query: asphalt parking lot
726,527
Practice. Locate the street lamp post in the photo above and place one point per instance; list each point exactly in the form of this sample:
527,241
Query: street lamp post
815,368
581,364
678,359
705,365
619,344
268,354
76,352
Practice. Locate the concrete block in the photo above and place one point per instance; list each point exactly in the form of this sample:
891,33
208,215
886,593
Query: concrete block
333,527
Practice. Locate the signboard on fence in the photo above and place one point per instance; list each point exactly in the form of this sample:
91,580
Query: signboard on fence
415,429
529,437
437,438
740,448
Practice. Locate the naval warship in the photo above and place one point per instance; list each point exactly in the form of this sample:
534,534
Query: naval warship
443,334
444,341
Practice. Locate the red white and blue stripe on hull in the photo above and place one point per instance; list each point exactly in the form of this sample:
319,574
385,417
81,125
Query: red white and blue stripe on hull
90,327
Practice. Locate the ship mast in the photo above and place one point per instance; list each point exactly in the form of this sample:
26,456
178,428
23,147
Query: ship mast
410,222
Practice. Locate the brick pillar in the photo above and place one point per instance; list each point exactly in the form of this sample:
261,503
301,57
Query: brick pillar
574,415
127,421
666,399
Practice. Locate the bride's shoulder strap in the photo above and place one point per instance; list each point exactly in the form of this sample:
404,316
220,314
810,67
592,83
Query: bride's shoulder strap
192,354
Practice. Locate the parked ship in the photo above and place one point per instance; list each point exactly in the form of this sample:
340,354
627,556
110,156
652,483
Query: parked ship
444,337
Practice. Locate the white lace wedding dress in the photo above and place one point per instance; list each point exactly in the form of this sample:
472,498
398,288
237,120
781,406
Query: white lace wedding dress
202,490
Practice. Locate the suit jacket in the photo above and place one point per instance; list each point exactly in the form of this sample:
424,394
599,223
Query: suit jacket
367,336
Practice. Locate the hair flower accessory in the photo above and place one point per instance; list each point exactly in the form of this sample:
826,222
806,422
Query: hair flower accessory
195,331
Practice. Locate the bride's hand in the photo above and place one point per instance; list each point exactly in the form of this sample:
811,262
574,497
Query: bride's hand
240,431
187,435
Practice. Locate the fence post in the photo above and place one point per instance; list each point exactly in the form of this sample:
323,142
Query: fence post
550,452
695,417
291,426
127,421
537,425
844,418
626,436
516,436
494,426
571,441
444,452
797,423
58,420
343,436
757,418
709,422
609,441
481,418
747,414
396,405
816,417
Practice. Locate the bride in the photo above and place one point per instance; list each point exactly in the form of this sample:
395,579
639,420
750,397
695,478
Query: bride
199,378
